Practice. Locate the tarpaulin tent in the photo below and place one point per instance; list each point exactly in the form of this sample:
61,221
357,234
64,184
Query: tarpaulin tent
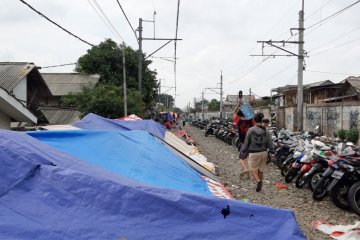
96,122
167,116
47,194
188,150
133,154
131,117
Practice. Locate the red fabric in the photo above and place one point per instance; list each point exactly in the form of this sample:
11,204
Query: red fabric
243,127
168,125
236,120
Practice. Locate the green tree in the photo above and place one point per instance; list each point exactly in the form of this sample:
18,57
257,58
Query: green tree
214,105
166,100
105,100
198,105
177,110
105,59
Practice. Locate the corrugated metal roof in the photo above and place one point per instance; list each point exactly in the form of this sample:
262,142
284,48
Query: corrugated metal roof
61,116
11,73
61,84
317,84
354,81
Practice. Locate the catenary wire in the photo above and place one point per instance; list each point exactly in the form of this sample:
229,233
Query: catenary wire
334,73
127,19
103,19
56,24
60,65
107,19
175,44
337,46
333,15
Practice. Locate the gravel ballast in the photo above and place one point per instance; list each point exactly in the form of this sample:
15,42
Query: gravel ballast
300,201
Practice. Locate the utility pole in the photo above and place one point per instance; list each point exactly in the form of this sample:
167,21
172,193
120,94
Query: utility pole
140,53
249,100
301,54
221,95
159,91
202,105
124,80
140,56
300,93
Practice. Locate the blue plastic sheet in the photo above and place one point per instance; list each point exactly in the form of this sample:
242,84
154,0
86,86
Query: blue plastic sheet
96,122
53,195
133,154
247,111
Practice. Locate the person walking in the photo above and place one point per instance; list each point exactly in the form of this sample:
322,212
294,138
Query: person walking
243,126
257,143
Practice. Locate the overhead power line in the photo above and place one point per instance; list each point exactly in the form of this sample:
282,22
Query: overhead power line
175,44
337,46
249,71
333,15
108,20
103,19
334,73
127,19
60,65
62,28
322,6
332,40
273,76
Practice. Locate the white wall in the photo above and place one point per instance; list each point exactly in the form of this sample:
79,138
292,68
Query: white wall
4,121
20,90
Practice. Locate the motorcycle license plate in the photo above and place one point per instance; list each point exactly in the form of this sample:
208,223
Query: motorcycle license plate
337,174
295,165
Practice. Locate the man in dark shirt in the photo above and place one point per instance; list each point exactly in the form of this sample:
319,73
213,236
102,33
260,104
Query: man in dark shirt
258,142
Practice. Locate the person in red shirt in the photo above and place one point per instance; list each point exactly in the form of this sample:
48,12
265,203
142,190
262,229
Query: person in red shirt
243,126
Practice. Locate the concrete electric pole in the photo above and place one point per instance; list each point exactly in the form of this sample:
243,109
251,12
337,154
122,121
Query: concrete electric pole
221,95
300,55
202,105
300,93
140,56
124,80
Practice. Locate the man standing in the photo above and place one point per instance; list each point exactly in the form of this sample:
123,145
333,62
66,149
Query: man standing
257,143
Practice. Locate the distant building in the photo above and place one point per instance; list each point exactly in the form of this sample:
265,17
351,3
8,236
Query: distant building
62,84
232,100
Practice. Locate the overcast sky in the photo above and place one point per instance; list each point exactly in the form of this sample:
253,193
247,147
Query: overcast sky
217,35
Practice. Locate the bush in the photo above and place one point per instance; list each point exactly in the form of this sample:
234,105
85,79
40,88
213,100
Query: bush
352,135
341,134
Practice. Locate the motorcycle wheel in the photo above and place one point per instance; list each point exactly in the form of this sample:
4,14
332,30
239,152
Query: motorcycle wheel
314,178
320,190
279,161
233,142
206,134
285,169
354,198
291,175
301,180
339,195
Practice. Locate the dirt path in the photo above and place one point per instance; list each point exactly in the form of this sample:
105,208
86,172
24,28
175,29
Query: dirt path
298,200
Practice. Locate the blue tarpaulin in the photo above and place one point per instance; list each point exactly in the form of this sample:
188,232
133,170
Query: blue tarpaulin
96,122
133,154
47,194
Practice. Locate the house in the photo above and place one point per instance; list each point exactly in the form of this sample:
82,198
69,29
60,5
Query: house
62,84
345,91
22,91
232,100
313,92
